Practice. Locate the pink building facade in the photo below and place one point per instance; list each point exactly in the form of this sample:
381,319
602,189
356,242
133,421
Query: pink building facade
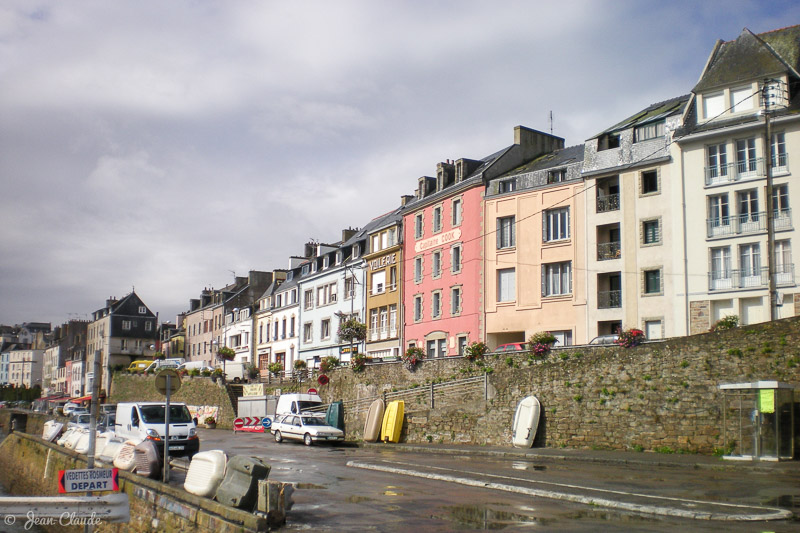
442,271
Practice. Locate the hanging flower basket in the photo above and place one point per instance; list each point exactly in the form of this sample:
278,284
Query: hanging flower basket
323,379
630,338
412,357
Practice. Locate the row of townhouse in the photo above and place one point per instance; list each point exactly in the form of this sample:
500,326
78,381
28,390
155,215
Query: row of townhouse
665,221
668,220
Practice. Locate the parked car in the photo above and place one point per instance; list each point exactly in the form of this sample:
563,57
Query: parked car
69,407
512,347
307,428
605,339
79,420
106,421
108,408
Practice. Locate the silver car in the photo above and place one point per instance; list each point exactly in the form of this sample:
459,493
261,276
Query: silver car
308,428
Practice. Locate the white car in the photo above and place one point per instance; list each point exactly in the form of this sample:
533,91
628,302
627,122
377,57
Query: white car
308,428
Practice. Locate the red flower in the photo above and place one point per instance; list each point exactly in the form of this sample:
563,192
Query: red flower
323,379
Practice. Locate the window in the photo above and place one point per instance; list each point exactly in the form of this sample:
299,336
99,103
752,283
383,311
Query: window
717,161
308,299
376,242
455,301
379,282
506,285
778,152
718,214
455,258
506,237
307,332
608,141
326,329
742,99
713,105
391,237
509,185
720,263
419,231
457,212
148,326
746,155
652,281
750,260
780,200
563,338
436,258
556,224
650,182
557,279
124,344
556,176
356,250
291,327
418,269
431,349
126,325
462,344
436,304
437,219
748,206
304,270
646,132
142,310
393,278
651,231
373,323
417,308
393,320
783,262
349,288
326,261
384,320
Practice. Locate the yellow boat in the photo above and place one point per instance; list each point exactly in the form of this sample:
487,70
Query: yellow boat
393,421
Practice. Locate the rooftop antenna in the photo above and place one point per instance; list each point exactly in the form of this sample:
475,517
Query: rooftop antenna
551,122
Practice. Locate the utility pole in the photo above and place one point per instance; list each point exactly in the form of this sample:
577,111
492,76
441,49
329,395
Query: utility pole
767,99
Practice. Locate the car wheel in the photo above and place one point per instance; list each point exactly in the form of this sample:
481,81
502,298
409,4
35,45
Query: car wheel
278,436
307,440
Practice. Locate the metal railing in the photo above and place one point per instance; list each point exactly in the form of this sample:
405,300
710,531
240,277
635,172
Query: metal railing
609,250
721,280
609,202
738,170
425,395
609,299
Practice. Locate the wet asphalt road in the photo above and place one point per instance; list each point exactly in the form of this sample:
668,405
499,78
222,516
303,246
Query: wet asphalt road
332,496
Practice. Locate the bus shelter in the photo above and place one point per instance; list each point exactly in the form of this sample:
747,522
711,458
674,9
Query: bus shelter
758,420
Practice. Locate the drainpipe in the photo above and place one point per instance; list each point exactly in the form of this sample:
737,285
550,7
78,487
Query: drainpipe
685,247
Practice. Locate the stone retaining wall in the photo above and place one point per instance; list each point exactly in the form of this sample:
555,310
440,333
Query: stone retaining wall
661,395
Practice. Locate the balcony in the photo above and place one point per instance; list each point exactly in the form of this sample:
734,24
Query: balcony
609,299
608,250
748,223
780,164
782,220
609,202
722,280
732,172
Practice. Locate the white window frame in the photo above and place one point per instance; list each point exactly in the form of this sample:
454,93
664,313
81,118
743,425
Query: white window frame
557,279
556,225
506,232
506,285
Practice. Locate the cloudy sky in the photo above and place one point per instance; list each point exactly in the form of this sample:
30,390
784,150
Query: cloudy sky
166,145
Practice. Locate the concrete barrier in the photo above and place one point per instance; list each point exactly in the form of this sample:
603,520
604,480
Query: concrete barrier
30,467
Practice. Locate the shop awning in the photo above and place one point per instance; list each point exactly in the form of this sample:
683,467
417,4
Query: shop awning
85,398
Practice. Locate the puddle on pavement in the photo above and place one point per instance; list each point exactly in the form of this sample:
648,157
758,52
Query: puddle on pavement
485,518
358,499
390,491
518,465
310,486
787,501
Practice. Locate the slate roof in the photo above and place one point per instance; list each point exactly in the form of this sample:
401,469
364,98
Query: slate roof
558,158
651,113
752,56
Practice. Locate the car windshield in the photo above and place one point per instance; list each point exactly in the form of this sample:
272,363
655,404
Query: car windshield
82,419
313,421
154,414
308,406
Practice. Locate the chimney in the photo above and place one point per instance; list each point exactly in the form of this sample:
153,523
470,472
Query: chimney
405,199
348,233
445,175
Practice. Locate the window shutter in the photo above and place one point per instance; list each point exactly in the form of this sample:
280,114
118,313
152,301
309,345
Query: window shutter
499,233
544,280
567,234
544,226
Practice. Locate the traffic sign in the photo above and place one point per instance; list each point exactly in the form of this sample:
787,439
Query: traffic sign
238,423
312,391
174,381
266,422
97,479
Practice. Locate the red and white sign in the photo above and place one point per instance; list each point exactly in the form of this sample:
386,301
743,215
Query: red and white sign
250,424
97,479
312,391
438,240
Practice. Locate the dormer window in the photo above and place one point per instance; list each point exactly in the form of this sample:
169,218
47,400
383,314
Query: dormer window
507,185
290,275
326,261
742,99
713,105
305,269
314,266
338,257
557,175
653,130
356,250
608,141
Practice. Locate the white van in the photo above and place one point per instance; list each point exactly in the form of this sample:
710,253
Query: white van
296,403
195,365
158,364
145,420
235,372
